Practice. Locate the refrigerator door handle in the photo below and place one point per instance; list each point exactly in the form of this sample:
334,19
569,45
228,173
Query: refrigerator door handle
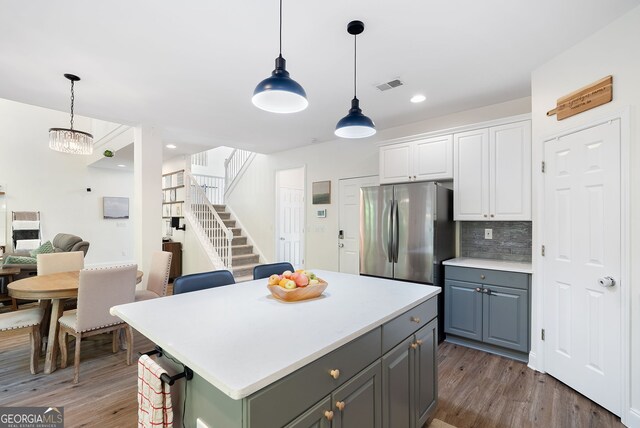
390,234
396,234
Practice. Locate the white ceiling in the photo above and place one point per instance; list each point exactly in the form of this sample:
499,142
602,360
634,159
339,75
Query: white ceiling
189,68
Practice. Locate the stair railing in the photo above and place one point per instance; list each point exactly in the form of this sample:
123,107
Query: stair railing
213,187
233,165
217,236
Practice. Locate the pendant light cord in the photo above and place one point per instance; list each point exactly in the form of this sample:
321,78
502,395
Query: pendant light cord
72,99
355,64
280,27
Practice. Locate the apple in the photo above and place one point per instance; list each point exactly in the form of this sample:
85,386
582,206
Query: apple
312,275
274,279
290,285
287,274
283,281
313,281
301,280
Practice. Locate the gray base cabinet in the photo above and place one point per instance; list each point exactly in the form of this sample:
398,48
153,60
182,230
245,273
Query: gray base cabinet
409,375
384,378
488,307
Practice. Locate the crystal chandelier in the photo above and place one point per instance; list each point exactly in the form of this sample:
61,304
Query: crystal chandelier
70,140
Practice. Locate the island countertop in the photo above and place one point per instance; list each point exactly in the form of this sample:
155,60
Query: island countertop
240,339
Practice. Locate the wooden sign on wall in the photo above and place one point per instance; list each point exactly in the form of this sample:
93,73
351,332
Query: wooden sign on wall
593,95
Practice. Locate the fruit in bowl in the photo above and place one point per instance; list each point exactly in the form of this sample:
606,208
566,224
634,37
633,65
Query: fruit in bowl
294,286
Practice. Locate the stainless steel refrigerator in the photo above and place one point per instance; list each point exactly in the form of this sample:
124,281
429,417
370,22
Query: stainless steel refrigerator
406,232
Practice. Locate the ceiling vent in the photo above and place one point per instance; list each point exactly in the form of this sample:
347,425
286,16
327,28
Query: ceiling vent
389,85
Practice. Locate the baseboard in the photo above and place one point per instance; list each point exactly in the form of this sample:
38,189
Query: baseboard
534,364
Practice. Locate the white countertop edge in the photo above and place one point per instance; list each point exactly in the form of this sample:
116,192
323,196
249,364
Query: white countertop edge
504,265
238,394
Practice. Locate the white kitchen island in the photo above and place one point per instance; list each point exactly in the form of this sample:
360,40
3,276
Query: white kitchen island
261,362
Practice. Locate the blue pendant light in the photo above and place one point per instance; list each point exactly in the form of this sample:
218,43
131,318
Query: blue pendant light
279,93
355,124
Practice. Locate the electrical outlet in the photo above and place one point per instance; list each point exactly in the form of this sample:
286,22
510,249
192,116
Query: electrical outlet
488,234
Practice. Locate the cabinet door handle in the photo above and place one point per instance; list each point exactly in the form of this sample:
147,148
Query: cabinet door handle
419,342
479,290
415,320
414,345
492,216
340,405
482,276
335,373
486,291
328,414
485,216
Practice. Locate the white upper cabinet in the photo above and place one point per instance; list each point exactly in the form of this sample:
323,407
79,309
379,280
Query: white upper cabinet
492,173
419,160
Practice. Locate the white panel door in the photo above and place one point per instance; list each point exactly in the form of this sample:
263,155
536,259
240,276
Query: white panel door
433,158
349,222
471,175
582,239
291,224
510,172
395,163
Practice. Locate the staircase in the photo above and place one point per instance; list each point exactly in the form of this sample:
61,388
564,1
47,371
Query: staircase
242,257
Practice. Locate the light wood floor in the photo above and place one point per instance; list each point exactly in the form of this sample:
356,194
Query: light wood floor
475,389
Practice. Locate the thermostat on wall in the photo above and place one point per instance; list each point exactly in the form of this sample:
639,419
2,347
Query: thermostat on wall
321,213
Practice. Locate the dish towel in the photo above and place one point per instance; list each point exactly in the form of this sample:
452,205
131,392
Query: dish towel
154,396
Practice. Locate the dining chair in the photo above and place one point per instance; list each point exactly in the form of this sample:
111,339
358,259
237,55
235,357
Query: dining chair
266,270
157,278
202,281
98,290
49,263
17,322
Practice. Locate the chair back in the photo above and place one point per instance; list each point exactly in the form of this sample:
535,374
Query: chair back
158,277
59,262
266,270
202,281
100,289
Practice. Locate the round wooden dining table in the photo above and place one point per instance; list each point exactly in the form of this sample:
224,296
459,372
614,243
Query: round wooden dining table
56,287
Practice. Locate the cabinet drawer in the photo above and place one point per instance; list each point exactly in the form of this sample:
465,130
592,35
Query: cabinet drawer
487,276
406,324
280,403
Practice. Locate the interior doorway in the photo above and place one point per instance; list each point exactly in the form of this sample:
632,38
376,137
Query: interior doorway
583,268
290,216
349,222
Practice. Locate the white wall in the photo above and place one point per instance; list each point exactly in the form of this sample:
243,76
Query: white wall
253,200
215,160
40,179
613,50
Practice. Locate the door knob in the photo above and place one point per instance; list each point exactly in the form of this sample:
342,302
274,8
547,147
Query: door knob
340,245
281,238
340,405
328,414
335,373
607,281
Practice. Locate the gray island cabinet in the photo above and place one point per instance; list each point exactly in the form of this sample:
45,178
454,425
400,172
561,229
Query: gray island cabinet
361,355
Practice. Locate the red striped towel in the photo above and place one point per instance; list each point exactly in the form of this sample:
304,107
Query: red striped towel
154,396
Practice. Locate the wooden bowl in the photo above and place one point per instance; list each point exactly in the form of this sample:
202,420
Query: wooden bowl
300,293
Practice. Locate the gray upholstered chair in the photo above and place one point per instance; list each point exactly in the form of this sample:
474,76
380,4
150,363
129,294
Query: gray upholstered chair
98,290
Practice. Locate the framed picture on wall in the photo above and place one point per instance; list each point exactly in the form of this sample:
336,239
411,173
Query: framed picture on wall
115,208
321,192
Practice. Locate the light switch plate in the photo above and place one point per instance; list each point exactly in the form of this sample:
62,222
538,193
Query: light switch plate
488,234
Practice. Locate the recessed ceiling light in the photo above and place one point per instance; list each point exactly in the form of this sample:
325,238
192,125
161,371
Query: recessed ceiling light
171,146
122,166
418,98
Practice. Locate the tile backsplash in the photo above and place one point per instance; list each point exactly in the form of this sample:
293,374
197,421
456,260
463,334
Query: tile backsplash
511,240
